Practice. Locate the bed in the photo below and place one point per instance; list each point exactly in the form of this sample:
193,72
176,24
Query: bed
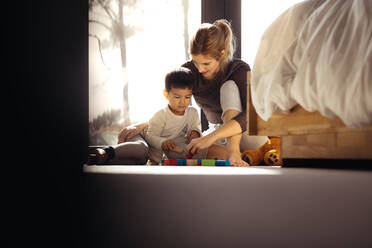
311,81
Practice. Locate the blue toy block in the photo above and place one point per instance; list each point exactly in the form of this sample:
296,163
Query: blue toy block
181,162
222,163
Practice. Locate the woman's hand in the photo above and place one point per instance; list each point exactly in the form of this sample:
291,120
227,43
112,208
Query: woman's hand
236,160
198,144
169,145
129,132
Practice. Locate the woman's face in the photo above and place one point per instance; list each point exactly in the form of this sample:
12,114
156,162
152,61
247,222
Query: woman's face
207,66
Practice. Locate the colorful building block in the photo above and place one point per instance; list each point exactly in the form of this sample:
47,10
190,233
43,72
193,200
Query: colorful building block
192,162
169,162
222,163
208,162
181,161
195,162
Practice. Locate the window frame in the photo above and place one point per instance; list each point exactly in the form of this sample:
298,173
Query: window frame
230,10
224,9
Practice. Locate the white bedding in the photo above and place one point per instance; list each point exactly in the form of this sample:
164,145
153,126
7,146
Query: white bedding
317,54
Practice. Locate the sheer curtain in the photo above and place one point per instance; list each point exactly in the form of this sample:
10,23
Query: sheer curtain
132,45
256,17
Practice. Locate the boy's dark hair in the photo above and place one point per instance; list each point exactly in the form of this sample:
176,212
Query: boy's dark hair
180,78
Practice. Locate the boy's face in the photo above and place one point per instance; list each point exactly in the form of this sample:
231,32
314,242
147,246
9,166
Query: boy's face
206,65
178,99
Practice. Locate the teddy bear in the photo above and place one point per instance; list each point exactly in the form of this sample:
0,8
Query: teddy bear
269,153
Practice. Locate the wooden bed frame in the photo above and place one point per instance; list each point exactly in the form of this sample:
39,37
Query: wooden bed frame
309,135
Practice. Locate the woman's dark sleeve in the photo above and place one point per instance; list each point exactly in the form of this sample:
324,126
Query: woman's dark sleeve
203,119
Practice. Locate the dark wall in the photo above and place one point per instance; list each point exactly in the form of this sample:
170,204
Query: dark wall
224,9
50,118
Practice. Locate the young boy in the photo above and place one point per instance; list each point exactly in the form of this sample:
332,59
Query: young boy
171,128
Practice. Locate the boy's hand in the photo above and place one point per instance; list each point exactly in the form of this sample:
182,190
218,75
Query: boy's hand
169,145
190,135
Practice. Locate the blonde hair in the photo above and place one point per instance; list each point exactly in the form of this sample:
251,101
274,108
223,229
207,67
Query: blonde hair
211,39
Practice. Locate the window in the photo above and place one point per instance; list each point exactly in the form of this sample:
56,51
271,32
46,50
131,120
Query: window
256,17
132,45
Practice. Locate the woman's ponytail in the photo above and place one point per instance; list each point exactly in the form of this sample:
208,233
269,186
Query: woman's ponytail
211,39
229,41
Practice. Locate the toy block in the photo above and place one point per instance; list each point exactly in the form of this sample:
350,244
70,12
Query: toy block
222,163
208,162
195,162
181,161
192,162
169,162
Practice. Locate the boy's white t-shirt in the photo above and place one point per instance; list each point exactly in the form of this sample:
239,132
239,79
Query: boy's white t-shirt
166,125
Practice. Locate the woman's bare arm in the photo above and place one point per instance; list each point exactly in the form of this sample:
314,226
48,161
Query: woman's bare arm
229,129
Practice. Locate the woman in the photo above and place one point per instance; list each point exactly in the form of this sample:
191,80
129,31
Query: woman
220,89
